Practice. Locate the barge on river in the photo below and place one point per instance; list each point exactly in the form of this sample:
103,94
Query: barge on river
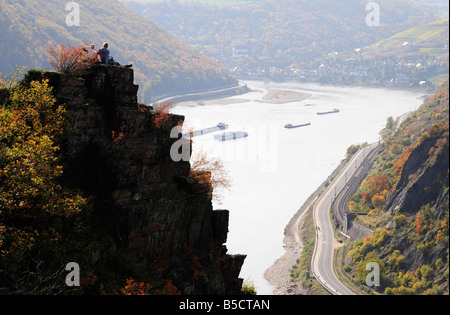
231,135
218,127
329,112
291,126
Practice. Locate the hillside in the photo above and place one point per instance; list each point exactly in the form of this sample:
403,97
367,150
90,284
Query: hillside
279,33
412,58
439,6
430,38
406,200
163,64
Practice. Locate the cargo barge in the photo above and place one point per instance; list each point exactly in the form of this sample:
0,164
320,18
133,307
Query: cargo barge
291,126
329,112
218,127
231,135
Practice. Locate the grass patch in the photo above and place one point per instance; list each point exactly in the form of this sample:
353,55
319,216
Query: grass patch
378,219
423,32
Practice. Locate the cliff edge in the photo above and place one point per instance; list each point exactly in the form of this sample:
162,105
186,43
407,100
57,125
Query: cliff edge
154,223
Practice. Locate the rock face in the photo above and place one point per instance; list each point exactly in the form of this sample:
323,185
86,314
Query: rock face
424,180
421,182
146,208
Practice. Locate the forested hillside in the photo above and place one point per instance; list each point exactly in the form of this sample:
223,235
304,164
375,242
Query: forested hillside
406,200
412,58
283,32
163,64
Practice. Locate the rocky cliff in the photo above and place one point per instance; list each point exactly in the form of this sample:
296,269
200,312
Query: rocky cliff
152,219
421,181
422,195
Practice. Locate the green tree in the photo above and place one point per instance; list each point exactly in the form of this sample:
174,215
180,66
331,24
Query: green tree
361,272
390,123
36,212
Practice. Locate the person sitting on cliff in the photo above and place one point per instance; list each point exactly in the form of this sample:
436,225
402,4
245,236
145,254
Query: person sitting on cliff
103,54
91,53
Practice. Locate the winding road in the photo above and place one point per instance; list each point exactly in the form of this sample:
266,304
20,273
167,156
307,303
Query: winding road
322,260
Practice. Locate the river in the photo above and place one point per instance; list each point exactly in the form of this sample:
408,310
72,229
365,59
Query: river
274,170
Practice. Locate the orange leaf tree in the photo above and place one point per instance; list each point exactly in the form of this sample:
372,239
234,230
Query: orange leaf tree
135,288
69,60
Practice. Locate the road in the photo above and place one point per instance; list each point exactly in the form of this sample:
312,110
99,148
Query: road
202,95
322,260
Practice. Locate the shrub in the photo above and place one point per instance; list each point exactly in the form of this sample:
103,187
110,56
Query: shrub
162,115
399,221
134,288
248,288
347,268
69,60
378,201
210,172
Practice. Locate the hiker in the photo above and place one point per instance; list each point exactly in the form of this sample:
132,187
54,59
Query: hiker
91,53
103,54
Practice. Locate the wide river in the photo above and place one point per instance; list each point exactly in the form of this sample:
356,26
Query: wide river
275,169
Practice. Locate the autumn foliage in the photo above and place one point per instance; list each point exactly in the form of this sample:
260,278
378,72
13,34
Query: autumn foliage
375,190
420,144
133,287
161,114
69,59
398,166
36,211
210,173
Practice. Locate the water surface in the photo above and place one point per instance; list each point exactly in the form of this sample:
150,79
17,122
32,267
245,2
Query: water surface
274,170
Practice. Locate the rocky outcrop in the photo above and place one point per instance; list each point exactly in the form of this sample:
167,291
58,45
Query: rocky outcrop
147,210
424,181
421,181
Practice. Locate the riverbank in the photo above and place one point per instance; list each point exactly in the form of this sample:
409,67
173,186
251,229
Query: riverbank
205,95
278,274
427,91
285,96
272,97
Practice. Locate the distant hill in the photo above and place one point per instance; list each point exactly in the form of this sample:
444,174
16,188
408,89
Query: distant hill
282,32
419,54
438,6
164,65
428,38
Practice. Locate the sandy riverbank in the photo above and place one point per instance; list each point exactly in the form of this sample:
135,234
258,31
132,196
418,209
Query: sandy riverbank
272,96
223,101
284,96
279,274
